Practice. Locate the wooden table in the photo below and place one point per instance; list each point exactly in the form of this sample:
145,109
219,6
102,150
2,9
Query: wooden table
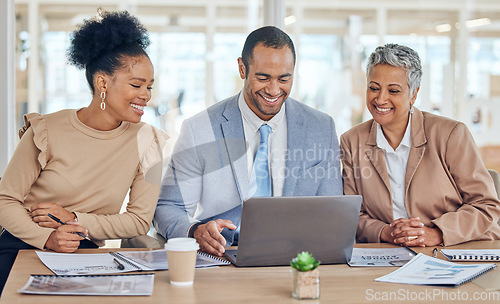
229,284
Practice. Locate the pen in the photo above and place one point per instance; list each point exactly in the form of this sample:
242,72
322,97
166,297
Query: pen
120,265
63,223
411,250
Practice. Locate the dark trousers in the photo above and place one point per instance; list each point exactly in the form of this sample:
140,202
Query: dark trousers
10,245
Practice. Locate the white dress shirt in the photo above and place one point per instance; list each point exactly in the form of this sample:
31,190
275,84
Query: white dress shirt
277,143
396,162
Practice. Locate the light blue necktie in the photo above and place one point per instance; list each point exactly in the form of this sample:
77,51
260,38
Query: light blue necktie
260,170
260,179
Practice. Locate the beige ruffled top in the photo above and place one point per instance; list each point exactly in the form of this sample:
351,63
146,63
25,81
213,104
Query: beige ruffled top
59,159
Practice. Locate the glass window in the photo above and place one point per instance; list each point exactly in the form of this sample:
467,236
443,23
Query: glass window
484,62
195,46
179,61
227,50
65,85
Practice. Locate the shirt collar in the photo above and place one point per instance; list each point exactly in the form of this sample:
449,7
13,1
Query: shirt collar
382,142
253,120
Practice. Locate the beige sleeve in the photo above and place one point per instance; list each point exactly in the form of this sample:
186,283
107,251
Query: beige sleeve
481,208
136,219
20,174
143,196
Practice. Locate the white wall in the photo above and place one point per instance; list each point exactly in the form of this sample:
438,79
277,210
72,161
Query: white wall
7,82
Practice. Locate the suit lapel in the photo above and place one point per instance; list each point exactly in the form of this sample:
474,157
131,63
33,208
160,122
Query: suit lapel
417,147
295,140
376,156
233,139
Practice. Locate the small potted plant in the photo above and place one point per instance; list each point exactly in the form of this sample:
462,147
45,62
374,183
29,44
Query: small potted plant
305,276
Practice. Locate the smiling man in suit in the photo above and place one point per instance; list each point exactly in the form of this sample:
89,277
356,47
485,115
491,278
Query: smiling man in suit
259,142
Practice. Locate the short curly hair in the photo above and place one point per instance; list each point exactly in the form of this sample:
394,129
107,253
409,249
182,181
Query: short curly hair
398,56
101,44
268,36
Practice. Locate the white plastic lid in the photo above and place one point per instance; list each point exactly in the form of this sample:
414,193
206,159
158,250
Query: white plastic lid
182,244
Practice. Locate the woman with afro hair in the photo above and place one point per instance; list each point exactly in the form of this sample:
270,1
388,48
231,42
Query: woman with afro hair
79,164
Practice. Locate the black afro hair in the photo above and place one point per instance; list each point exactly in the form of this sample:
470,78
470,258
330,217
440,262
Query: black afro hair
96,37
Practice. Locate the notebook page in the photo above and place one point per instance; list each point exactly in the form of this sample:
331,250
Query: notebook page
81,264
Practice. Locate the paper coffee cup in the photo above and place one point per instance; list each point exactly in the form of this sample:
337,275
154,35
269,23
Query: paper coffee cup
181,256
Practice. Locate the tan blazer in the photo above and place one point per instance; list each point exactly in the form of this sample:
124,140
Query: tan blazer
446,183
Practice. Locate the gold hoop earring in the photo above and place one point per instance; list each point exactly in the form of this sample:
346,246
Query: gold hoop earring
103,97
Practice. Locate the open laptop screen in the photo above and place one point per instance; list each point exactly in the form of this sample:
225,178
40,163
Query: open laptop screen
274,229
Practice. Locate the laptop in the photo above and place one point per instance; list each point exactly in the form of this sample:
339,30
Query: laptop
275,229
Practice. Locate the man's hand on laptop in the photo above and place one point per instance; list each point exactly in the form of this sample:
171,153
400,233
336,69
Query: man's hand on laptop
209,236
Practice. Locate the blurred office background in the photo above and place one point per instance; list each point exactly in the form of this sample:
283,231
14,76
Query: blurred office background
196,43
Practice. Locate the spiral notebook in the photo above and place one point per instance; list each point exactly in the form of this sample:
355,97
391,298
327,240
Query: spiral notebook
470,255
157,259
116,262
425,270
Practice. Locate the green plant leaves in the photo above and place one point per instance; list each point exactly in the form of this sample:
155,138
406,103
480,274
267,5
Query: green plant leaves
304,262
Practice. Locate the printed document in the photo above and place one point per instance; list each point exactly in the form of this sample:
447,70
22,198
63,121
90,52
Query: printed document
425,270
101,285
381,256
116,262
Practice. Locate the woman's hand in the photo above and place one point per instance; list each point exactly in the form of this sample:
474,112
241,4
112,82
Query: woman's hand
65,239
39,215
431,237
411,232
407,232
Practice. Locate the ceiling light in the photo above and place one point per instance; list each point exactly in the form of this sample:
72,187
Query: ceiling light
290,20
441,28
477,22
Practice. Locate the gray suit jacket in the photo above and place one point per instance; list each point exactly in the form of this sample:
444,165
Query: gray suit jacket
207,177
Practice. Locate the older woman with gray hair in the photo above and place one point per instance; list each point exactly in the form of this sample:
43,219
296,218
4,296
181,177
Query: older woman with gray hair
421,176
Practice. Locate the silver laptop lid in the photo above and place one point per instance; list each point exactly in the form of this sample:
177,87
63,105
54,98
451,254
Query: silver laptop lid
274,229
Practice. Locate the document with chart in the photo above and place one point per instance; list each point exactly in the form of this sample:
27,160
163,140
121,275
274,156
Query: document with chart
425,270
